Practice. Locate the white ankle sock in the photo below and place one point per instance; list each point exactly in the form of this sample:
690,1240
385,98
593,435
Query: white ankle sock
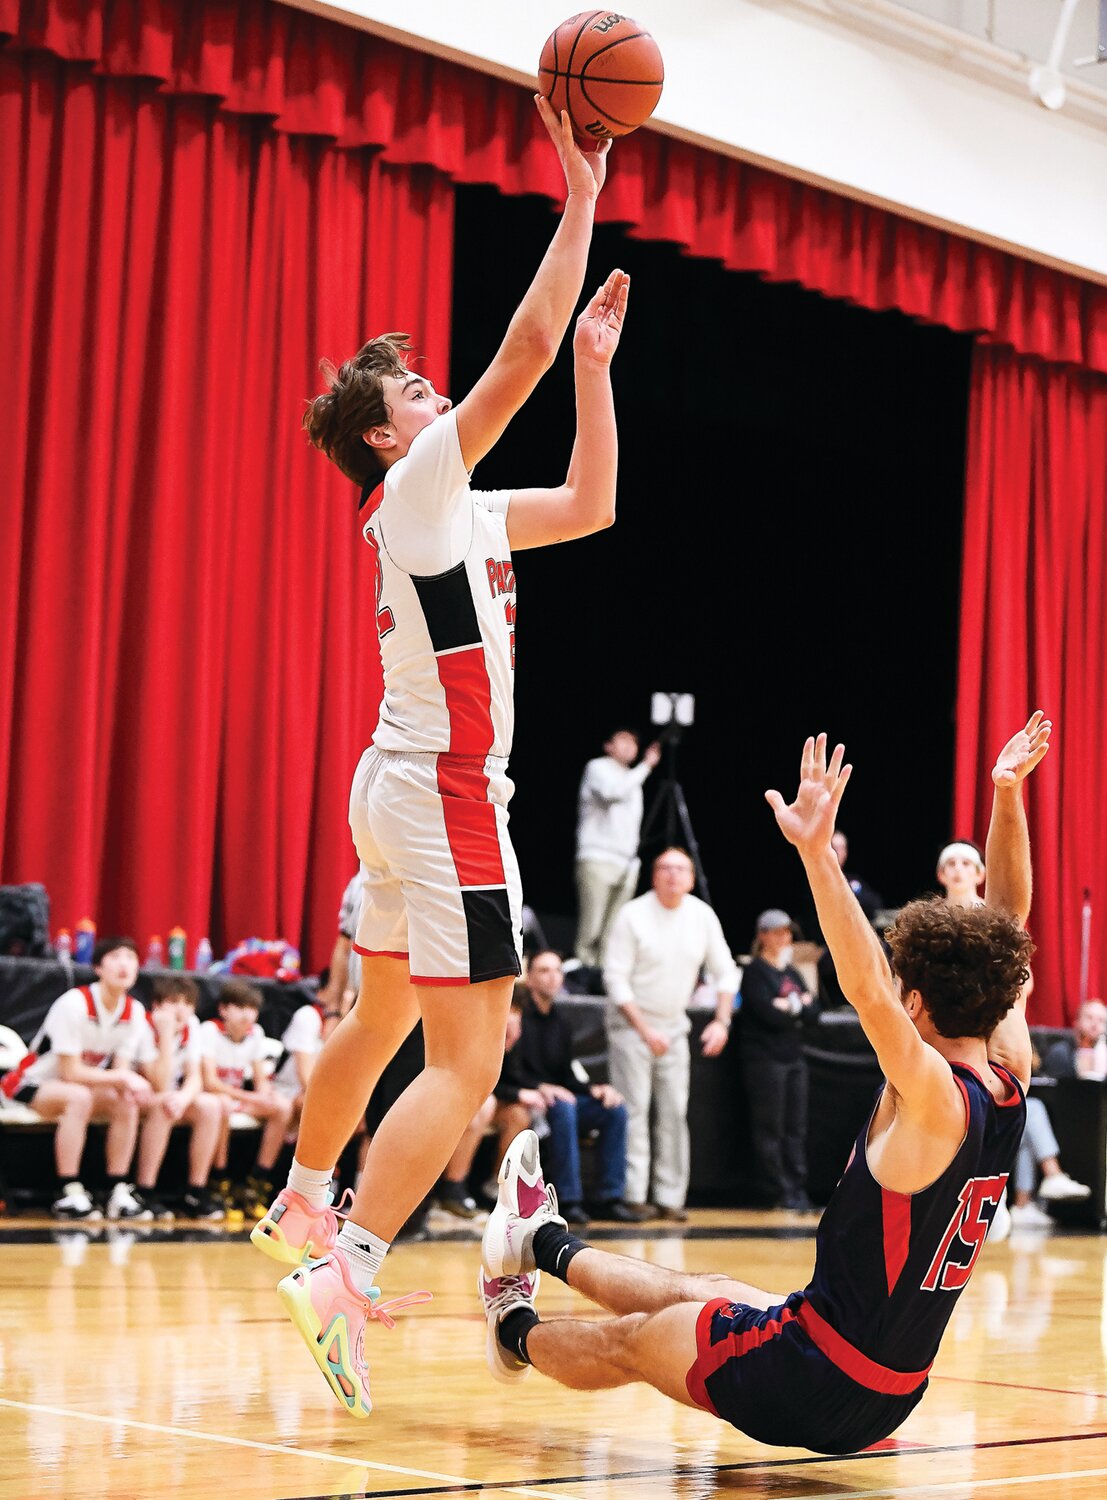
364,1253
312,1185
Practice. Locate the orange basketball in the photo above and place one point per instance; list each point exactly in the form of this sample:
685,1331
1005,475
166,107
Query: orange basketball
605,70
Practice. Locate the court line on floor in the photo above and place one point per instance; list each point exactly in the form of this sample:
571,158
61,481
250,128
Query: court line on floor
453,1482
969,1485
691,1471
1014,1385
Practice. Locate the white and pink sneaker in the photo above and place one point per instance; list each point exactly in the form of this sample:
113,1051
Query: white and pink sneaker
523,1205
500,1295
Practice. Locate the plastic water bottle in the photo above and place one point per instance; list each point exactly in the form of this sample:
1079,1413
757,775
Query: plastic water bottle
155,954
85,943
178,941
203,956
63,946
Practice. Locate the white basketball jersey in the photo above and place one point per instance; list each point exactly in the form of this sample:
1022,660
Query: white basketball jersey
447,637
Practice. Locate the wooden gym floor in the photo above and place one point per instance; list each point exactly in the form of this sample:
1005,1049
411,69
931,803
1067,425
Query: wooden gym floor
142,1364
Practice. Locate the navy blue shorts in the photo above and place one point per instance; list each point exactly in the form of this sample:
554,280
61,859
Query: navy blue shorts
761,1372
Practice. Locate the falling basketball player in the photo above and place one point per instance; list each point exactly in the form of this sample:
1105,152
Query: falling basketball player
839,1365
440,929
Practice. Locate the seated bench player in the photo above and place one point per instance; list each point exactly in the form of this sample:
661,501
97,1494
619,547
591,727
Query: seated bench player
80,1067
169,1059
232,1054
839,1365
301,1043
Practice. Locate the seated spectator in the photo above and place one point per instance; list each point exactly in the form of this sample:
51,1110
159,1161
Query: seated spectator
775,1005
452,1193
572,1103
301,1043
1039,1152
232,1051
961,873
1084,1054
169,1059
81,1067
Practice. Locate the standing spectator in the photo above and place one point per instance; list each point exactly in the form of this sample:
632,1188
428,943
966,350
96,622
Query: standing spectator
232,1051
658,946
608,827
573,1104
1084,1054
775,1004
870,902
961,873
169,1059
80,1066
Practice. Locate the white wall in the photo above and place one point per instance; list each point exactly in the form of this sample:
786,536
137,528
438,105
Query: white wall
831,99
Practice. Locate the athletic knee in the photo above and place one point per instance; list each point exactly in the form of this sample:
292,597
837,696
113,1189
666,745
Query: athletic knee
78,1102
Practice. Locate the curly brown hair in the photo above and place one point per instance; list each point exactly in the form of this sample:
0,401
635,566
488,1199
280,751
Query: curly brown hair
336,421
969,964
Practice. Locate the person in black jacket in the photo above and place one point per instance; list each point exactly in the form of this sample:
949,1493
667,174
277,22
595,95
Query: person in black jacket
543,1060
775,1005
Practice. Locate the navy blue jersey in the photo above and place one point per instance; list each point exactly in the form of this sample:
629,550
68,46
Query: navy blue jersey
890,1266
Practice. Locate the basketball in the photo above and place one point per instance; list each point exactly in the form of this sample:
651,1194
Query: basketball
603,69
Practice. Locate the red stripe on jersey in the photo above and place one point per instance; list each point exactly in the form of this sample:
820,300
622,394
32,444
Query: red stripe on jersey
896,1216
1014,1095
12,1082
90,1003
464,679
713,1357
859,1367
470,819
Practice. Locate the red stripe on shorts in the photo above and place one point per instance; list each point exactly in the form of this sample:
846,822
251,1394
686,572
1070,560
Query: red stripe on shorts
712,1357
852,1362
470,818
376,952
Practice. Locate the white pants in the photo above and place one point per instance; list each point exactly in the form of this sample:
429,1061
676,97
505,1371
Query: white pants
603,888
642,1078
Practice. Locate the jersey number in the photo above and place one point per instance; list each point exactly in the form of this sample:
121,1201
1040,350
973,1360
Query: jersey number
386,620
968,1227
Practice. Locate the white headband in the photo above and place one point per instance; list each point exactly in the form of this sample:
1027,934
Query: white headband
961,851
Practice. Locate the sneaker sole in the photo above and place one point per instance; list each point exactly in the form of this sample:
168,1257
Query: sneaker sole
496,1254
296,1297
495,1354
267,1237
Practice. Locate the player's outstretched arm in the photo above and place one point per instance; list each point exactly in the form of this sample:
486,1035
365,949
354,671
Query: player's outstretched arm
539,324
913,1069
586,501
1007,853
1009,874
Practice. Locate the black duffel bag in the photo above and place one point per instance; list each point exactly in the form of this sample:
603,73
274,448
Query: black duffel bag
24,921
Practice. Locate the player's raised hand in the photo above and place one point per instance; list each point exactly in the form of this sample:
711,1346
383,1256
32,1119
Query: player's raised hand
808,822
600,324
585,171
1023,751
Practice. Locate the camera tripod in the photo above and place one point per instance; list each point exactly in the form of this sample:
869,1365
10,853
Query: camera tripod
669,811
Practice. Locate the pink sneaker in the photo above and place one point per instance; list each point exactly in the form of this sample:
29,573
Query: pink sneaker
524,1204
331,1316
294,1233
500,1295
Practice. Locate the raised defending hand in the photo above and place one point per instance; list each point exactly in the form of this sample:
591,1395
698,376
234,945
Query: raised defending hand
809,822
1023,751
585,171
601,322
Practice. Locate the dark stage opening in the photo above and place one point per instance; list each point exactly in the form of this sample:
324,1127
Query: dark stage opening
787,548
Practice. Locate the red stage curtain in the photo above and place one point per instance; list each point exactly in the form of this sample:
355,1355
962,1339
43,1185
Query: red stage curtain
1034,635
319,77
186,667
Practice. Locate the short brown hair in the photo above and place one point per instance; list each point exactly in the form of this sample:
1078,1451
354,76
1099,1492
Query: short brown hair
969,964
354,402
238,992
173,987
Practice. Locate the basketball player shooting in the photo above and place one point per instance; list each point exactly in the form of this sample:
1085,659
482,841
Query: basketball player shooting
838,1366
440,933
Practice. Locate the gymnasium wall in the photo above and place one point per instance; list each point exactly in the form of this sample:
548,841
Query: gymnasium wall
802,88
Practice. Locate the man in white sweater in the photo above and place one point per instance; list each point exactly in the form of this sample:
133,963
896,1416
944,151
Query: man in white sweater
657,947
608,827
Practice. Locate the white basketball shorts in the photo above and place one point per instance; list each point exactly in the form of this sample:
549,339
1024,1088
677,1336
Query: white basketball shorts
441,879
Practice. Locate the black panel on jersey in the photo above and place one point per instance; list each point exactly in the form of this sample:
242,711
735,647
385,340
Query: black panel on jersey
492,951
448,609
